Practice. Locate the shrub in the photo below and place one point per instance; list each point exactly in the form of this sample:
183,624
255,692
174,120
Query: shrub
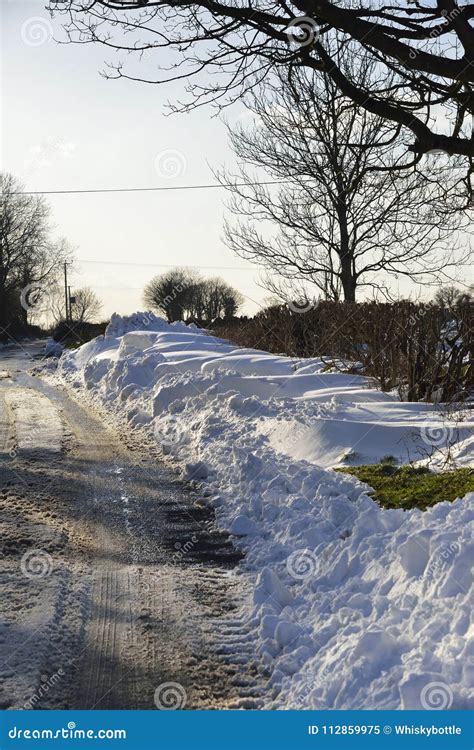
424,351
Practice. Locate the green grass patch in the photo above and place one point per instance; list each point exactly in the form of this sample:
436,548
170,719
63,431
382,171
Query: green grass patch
73,344
409,487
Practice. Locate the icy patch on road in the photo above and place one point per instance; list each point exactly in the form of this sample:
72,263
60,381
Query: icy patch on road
355,607
37,422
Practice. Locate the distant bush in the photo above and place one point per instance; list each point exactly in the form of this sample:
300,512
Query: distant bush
424,351
74,334
18,330
181,294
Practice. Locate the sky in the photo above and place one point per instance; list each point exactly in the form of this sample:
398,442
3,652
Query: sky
66,127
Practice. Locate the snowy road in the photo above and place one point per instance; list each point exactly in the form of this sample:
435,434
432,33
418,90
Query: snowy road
354,606
116,579
122,591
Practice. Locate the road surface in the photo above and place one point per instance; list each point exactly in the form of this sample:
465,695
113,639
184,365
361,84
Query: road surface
119,590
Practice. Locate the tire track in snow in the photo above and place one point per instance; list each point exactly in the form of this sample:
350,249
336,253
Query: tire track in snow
160,593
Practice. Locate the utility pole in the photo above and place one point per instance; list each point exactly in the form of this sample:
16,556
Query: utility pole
71,300
66,296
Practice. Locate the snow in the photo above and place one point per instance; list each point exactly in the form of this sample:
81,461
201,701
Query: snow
354,606
38,426
53,348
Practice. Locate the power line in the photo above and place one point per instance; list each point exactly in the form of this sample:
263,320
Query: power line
152,189
167,265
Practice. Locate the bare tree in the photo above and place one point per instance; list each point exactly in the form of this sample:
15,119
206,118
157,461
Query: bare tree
183,294
350,208
429,46
219,299
29,259
450,296
170,293
86,306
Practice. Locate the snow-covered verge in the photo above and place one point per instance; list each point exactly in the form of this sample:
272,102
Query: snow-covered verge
356,607
53,348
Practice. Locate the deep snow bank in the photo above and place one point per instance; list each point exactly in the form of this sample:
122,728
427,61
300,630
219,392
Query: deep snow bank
355,607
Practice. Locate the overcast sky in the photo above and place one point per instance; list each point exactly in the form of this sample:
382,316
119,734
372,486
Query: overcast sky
64,126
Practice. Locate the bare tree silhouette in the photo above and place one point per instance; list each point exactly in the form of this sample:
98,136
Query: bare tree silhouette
428,46
30,261
351,207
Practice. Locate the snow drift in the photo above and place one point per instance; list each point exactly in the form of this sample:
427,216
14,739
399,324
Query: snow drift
355,606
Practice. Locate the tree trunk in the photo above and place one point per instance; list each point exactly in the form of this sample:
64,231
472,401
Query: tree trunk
3,309
348,278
